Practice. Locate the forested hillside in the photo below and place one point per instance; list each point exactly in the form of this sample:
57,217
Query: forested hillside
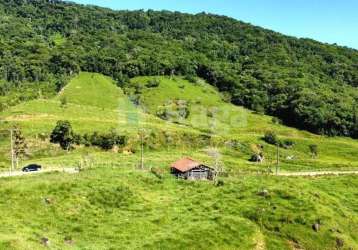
307,84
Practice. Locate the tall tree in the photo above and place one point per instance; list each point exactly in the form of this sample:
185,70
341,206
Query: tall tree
63,135
218,165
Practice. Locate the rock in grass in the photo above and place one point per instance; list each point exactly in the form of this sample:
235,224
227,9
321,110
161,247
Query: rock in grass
335,230
316,227
45,241
48,201
219,183
264,193
339,243
69,240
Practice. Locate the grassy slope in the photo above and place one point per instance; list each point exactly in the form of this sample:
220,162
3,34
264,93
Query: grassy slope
90,89
130,209
93,103
120,206
96,104
246,126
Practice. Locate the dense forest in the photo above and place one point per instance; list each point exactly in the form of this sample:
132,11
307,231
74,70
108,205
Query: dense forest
305,83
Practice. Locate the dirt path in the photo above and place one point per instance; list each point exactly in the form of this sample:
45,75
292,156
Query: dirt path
260,242
286,174
318,173
20,173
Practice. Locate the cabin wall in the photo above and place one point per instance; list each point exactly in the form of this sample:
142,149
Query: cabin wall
199,173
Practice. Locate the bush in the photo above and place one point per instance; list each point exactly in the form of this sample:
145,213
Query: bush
86,140
219,183
257,158
190,78
174,110
64,135
313,150
77,139
105,141
271,138
211,112
226,96
287,143
153,83
276,120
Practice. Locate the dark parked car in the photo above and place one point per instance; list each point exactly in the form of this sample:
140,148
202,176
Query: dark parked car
31,168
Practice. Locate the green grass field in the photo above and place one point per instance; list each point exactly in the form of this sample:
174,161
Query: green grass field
113,205
119,207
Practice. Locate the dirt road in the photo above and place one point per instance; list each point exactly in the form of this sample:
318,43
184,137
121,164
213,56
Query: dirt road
20,173
284,174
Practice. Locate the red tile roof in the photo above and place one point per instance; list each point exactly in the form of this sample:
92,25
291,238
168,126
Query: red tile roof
185,164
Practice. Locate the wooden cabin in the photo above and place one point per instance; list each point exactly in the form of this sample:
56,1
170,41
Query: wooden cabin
189,169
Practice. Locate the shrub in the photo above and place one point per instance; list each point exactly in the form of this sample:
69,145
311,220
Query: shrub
276,120
287,143
86,140
257,157
174,110
219,183
153,83
226,96
77,139
233,144
106,141
63,101
211,112
190,78
138,89
313,150
271,138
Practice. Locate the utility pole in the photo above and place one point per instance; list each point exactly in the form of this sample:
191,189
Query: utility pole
142,150
12,149
277,157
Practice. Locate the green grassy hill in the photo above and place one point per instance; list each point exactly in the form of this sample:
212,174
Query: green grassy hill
94,103
114,203
96,90
209,113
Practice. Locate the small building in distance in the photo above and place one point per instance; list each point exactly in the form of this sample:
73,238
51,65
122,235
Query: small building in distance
190,169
